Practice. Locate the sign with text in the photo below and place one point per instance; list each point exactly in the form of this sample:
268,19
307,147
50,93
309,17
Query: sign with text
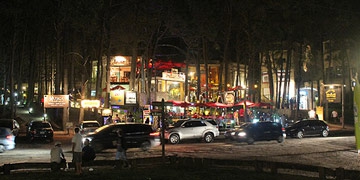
333,94
130,97
56,101
90,103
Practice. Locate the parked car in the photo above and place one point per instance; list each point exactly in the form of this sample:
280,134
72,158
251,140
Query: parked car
141,136
12,124
192,129
88,126
41,130
7,139
259,131
308,127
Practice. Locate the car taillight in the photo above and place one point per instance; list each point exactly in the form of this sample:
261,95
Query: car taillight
283,129
9,136
155,134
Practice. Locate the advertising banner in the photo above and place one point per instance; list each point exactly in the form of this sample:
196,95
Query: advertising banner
356,112
117,97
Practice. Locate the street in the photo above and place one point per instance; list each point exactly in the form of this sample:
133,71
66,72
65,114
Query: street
334,151
331,152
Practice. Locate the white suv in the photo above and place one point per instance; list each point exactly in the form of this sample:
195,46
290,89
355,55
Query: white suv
192,129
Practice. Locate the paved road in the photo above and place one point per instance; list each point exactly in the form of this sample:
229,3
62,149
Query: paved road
332,152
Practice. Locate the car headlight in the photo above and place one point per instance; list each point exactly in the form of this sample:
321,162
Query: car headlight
89,138
242,134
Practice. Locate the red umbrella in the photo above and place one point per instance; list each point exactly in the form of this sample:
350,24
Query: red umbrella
261,105
180,103
217,104
241,103
199,105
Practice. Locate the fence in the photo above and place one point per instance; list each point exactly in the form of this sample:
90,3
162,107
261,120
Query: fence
249,165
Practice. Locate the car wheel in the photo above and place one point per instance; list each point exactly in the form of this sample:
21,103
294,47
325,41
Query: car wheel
325,133
145,146
280,139
300,134
209,137
2,148
174,139
250,140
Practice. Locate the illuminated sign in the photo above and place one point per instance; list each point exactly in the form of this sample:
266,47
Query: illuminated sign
90,103
174,75
117,97
130,97
56,101
332,94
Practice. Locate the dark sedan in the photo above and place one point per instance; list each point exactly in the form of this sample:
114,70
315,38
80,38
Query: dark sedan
41,130
308,127
136,136
260,131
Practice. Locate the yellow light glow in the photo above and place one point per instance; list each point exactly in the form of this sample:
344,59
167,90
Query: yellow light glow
120,59
90,103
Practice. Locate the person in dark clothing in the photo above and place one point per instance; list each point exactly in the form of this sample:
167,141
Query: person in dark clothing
88,153
121,148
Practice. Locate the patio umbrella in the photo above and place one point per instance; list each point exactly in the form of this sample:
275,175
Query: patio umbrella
241,103
261,105
180,103
217,105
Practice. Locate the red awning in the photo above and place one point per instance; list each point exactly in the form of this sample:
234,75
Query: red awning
117,87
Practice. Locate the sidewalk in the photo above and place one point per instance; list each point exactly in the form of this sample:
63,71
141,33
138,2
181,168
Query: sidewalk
338,129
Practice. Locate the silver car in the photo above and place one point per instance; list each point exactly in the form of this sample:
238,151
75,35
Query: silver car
88,126
7,139
192,129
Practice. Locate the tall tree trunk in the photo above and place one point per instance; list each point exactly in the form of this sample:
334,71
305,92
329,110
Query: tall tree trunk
205,57
133,66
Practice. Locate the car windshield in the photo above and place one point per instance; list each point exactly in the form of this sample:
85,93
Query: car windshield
89,125
41,125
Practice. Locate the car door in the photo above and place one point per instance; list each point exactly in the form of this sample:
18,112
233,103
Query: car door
199,127
266,131
318,127
187,130
109,136
257,131
308,128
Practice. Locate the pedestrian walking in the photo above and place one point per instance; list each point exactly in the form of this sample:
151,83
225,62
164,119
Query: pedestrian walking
121,148
77,151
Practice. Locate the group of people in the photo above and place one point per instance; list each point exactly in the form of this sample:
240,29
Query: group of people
83,152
